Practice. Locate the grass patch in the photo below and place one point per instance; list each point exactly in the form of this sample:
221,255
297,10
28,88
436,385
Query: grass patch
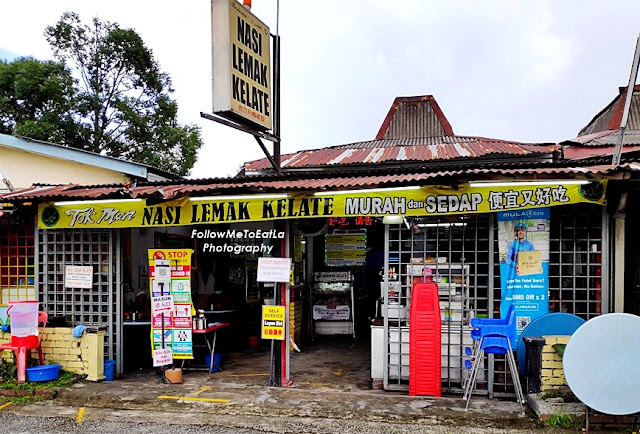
65,379
28,392
18,400
552,394
562,421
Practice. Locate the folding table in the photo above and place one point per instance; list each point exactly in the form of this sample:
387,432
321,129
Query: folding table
211,345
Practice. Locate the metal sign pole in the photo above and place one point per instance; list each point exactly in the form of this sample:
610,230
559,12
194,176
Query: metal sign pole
627,104
163,377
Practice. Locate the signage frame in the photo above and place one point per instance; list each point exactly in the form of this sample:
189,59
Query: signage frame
241,69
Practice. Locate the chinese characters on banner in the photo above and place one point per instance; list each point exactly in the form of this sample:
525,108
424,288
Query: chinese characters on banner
170,275
342,208
524,264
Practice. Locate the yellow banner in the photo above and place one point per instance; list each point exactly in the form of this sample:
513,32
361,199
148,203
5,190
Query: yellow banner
273,322
420,201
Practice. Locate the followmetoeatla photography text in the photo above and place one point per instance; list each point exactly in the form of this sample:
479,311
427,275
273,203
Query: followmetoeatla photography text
234,241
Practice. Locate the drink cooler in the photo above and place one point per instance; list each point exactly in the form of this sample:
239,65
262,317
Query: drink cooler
24,323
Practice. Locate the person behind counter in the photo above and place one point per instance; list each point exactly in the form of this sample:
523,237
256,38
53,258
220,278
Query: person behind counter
141,306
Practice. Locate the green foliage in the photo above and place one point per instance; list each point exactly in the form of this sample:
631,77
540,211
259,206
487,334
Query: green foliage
37,100
119,106
559,348
562,421
64,379
550,394
10,382
23,399
7,371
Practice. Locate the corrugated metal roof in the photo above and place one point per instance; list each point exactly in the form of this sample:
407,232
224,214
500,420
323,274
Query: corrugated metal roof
415,130
600,144
611,116
610,138
247,185
414,116
404,150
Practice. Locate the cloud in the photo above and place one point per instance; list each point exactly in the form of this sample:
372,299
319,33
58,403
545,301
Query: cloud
519,69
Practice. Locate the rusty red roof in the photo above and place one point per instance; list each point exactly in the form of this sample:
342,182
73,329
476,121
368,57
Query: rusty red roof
600,144
610,117
414,116
404,150
312,183
414,131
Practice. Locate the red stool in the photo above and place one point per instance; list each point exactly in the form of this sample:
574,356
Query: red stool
20,351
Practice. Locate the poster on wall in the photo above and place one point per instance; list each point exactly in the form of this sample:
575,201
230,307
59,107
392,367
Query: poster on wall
78,276
524,264
170,283
344,249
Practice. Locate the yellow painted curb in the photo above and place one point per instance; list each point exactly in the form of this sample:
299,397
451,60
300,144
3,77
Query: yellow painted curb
187,398
202,389
80,417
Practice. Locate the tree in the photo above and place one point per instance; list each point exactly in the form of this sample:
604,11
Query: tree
123,96
37,100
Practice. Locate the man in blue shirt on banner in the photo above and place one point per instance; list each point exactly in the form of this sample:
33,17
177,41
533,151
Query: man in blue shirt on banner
519,244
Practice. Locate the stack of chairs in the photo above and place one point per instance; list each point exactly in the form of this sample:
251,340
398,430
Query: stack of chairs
492,336
425,341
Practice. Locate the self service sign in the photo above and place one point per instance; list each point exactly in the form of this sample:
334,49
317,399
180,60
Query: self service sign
273,321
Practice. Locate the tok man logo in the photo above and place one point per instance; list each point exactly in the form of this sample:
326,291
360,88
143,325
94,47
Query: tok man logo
592,191
50,216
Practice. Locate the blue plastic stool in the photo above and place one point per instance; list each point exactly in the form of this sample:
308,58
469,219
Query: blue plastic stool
494,336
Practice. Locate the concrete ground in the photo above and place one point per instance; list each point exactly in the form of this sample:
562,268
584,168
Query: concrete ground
331,379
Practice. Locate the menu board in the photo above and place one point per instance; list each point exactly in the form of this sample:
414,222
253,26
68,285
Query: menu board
346,248
171,323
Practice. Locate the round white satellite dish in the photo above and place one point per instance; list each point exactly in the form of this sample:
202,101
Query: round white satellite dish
602,363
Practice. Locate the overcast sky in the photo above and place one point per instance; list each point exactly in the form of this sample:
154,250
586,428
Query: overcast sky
530,71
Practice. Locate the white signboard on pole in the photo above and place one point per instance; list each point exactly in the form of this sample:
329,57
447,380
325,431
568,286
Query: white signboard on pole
76,276
274,270
162,357
162,304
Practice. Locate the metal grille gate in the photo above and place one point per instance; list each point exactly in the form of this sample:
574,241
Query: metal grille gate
470,246
96,306
454,252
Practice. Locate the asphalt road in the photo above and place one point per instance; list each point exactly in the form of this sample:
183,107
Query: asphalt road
46,418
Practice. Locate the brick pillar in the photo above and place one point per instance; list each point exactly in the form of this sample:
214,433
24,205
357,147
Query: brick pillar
552,373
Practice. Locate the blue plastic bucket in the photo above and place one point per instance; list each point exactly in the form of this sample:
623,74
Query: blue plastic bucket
109,370
43,372
217,358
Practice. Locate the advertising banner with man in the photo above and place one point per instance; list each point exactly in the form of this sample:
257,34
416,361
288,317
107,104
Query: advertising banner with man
524,264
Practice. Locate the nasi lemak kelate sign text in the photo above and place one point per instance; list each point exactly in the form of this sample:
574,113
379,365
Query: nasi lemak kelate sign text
423,201
241,72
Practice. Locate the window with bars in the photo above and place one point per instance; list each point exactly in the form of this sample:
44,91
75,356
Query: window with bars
95,306
575,282
17,256
575,269
453,251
